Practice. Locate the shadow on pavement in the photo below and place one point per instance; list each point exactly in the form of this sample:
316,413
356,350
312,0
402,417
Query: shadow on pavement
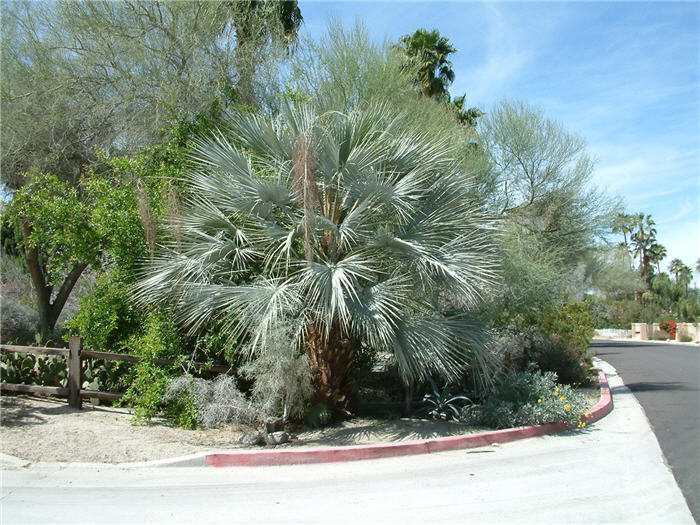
645,386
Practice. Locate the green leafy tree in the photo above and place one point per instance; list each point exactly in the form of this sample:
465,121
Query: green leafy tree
64,231
553,218
466,116
343,225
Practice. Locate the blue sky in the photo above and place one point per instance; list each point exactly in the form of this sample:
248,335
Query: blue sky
625,76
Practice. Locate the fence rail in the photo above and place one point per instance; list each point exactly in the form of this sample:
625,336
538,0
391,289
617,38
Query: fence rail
75,355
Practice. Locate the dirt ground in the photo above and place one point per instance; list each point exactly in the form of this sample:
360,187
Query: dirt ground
44,429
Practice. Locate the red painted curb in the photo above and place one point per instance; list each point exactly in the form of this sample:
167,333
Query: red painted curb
252,458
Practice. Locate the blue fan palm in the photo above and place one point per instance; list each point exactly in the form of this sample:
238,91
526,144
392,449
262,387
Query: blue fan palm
347,226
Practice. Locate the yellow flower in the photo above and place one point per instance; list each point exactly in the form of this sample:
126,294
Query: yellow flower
567,407
539,400
562,398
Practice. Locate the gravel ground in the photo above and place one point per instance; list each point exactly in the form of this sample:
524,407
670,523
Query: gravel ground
45,429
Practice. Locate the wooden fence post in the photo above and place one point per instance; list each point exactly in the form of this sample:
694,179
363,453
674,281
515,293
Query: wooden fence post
75,380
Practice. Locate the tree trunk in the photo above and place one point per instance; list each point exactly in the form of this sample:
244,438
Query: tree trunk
331,361
48,311
245,56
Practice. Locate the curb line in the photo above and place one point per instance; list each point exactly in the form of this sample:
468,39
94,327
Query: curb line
251,458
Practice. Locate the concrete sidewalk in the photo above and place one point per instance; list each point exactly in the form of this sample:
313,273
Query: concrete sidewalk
613,472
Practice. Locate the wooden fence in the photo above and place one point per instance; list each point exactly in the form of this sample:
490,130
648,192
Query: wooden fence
75,355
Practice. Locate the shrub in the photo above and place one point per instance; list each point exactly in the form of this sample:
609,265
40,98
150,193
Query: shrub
281,375
669,327
317,416
149,381
686,339
571,324
524,346
210,403
364,358
530,397
106,318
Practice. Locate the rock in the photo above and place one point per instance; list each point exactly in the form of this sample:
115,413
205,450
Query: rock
276,438
274,425
252,438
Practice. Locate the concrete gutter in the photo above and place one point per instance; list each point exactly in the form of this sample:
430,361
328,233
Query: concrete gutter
251,458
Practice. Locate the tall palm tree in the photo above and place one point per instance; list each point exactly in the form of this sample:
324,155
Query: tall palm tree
348,228
428,52
643,239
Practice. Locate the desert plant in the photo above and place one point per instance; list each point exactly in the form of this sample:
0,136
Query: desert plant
529,397
210,403
441,404
346,224
528,345
317,416
281,376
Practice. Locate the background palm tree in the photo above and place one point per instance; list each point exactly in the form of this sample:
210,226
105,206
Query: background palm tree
624,223
657,253
643,241
348,228
681,273
428,52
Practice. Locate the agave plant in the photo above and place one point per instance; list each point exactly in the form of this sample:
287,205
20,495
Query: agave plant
346,225
441,404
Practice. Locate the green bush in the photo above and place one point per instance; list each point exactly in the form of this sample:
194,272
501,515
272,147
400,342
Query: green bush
571,324
530,397
364,358
148,381
441,404
107,318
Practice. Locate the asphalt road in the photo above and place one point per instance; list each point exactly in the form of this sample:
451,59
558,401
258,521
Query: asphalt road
611,472
665,379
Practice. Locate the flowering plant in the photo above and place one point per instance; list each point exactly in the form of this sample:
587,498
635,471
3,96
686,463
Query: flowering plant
669,327
530,397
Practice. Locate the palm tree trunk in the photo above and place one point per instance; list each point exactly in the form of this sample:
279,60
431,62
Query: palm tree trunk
331,360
